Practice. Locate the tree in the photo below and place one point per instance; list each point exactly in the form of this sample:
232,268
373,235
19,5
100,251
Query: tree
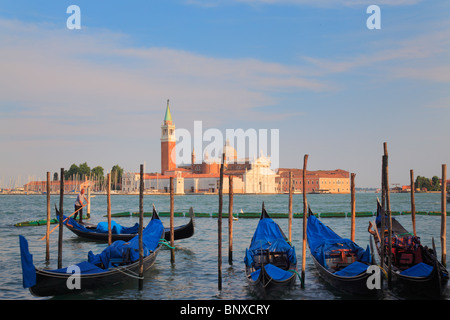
98,172
116,177
84,169
429,184
55,176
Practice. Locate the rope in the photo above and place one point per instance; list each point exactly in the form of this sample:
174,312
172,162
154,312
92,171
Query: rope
166,243
299,277
131,274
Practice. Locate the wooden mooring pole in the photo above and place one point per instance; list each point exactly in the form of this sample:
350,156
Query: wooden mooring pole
388,210
444,215
61,207
290,206
108,209
353,205
172,239
141,228
230,220
219,227
47,241
305,220
413,201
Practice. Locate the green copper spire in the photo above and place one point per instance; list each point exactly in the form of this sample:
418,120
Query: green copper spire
168,116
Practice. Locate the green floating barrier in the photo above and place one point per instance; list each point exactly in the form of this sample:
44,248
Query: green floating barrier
362,214
167,214
120,214
332,215
202,214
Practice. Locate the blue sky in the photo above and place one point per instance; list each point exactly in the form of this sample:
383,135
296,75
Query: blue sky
312,69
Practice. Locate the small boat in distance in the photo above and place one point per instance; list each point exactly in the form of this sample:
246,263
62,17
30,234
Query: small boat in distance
270,261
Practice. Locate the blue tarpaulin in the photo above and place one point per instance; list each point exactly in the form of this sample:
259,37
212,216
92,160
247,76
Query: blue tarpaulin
323,240
274,272
120,249
418,270
102,227
117,250
352,270
28,270
268,236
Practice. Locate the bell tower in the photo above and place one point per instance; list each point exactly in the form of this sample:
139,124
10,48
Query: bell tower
168,142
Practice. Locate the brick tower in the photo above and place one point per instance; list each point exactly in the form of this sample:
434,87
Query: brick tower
168,141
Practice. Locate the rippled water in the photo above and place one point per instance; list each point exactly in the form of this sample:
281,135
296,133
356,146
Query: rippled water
194,274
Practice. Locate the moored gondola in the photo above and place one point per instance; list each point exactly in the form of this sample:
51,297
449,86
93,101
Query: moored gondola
339,261
415,269
99,231
115,264
270,261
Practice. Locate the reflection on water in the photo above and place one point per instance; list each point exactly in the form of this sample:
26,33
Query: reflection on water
194,274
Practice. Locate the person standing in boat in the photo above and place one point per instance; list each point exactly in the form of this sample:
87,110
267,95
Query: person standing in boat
79,205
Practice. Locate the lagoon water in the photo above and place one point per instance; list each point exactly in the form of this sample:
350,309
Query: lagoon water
194,274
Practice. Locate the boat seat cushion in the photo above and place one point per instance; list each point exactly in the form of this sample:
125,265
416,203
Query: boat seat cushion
274,272
352,270
418,270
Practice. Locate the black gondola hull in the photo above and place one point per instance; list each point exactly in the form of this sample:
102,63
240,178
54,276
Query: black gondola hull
180,232
52,283
432,286
356,285
266,283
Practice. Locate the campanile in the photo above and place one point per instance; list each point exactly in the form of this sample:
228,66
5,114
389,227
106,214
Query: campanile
168,142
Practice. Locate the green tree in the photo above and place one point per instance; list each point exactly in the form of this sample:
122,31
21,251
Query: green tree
73,171
98,172
116,177
84,170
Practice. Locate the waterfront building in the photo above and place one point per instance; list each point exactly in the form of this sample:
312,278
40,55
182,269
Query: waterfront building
320,181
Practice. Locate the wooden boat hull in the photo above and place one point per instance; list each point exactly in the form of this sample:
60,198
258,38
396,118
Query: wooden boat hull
320,234
180,232
432,286
52,283
356,285
266,283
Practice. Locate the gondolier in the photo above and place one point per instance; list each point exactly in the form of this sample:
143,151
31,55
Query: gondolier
79,205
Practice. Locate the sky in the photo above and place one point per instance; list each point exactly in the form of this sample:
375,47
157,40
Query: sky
335,89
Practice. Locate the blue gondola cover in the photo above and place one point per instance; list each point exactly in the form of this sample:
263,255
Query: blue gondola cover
102,227
323,240
28,270
274,272
418,270
352,270
268,236
119,249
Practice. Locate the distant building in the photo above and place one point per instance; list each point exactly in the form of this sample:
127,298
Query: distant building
249,176
320,181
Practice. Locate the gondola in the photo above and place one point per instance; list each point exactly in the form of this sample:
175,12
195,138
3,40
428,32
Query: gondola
415,269
99,231
270,261
339,261
117,263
